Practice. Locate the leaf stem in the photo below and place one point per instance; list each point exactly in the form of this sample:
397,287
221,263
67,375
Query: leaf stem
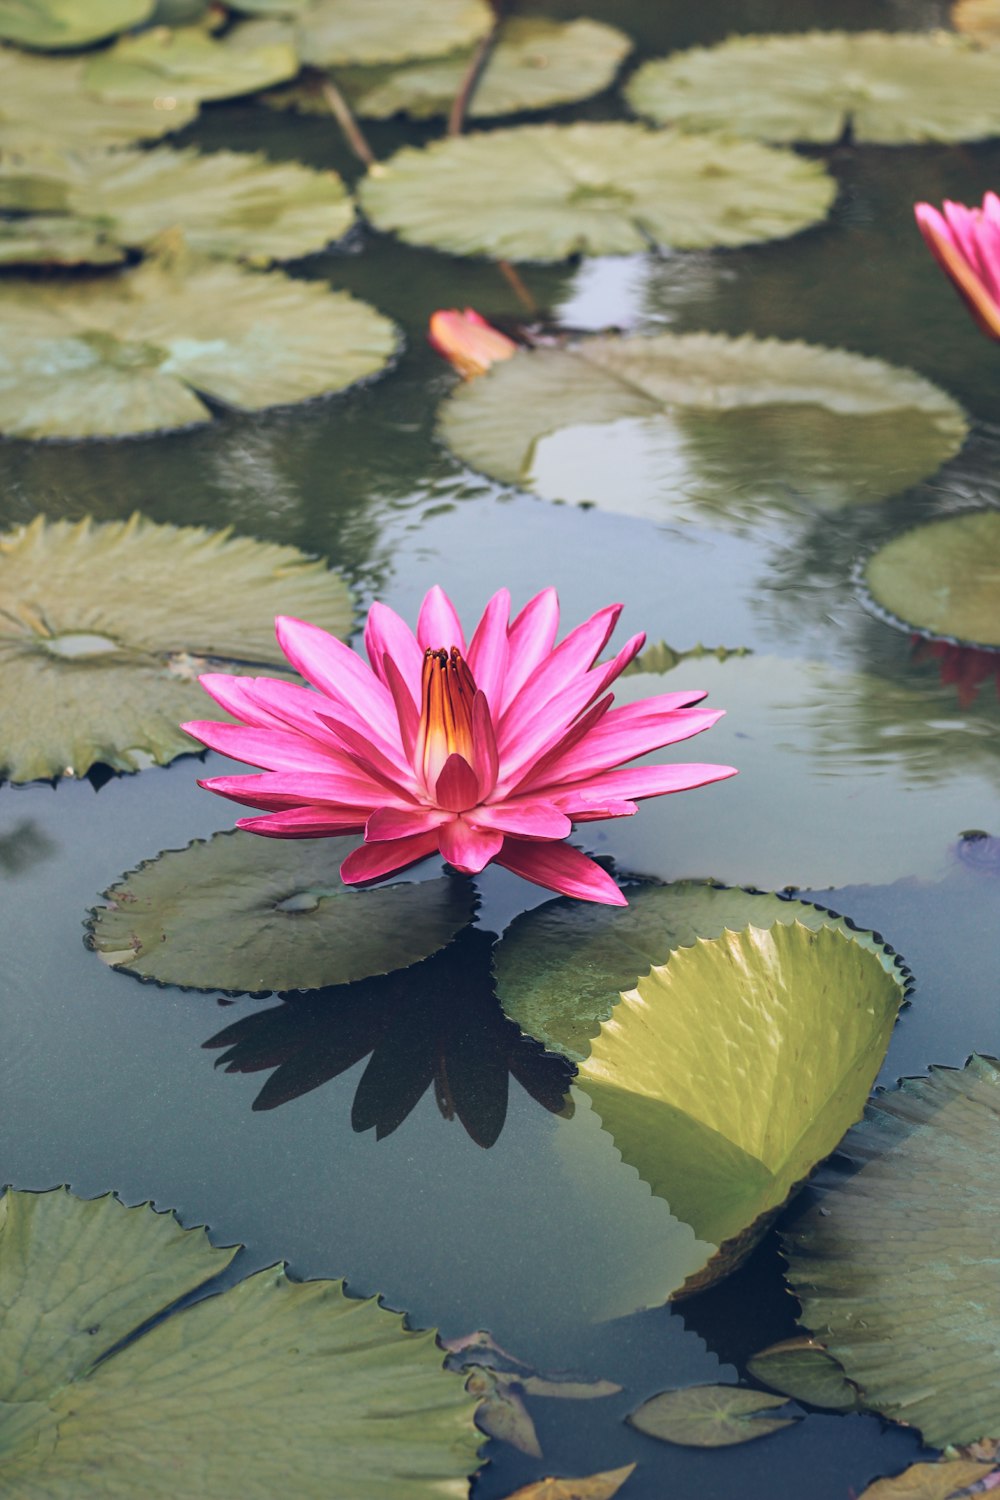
475,70
344,116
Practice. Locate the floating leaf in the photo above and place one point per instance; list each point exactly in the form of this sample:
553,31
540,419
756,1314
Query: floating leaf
269,7
187,64
104,628
942,578
138,352
50,240
230,204
333,33
43,102
807,1372
896,1266
591,1487
893,88
272,1385
937,1481
979,19
545,192
64,24
560,968
501,1412
710,1416
244,913
702,422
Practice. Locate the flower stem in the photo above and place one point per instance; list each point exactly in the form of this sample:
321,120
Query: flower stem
342,113
475,70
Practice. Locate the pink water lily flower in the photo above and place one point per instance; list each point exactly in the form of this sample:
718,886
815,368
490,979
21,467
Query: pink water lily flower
468,341
486,751
965,242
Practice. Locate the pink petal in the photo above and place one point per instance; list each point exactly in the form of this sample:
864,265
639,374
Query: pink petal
339,673
373,861
527,819
530,638
438,625
266,702
344,786
398,822
560,867
273,749
624,738
457,786
362,752
581,726
602,807
407,710
302,823
488,649
468,849
484,747
388,635
632,783
943,246
564,666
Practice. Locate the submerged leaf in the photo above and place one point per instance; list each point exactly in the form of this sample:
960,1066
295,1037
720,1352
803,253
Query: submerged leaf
807,1372
590,1487
64,24
104,628
889,87
710,1416
333,33
545,192
937,1481
187,64
44,102
942,578
272,1386
501,1412
895,1267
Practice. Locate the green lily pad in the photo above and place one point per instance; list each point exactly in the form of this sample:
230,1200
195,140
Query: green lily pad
701,423
249,914
229,204
545,192
64,24
143,351
272,1385
709,1416
282,8
43,102
892,88
104,629
187,64
979,19
807,1372
333,33
942,579
561,967
896,1266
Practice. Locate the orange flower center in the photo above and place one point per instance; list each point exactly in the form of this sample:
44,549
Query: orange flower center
448,690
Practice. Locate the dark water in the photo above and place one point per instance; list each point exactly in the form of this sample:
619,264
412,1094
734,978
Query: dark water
860,770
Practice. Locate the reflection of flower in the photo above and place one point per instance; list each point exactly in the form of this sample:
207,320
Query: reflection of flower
965,668
486,751
965,242
468,341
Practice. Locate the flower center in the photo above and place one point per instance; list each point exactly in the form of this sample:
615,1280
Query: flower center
448,690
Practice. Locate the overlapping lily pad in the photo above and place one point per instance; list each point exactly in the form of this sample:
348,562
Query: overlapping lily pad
188,64
333,33
229,204
104,629
244,913
546,192
804,1370
44,102
148,349
892,88
710,1416
272,1386
942,579
895,1267
681,423
64,24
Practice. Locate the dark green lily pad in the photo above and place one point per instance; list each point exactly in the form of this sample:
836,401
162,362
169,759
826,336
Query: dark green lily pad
249,914
43,102
333,33
187,64
229,204
142,351
807,1372
892,88
702,423
274,1385
104,629
545,192
710,1416
64,24
942,579
896,1266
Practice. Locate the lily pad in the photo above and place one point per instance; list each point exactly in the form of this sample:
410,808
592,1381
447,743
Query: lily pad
43,102
546,192
893,88
895,1266
807,1372
942,579
695,423
979,19
333,33
229,204
187,64
561,967
64,24
589,1487
935,1481
710,1416
146,350
104,629
249,914
272,1385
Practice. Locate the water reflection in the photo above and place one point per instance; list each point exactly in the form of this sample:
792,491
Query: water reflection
437,1025
24,846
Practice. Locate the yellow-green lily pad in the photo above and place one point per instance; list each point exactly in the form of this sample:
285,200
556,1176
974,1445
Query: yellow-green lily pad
942,579
45,103
56,240
105,627
64,24
546,192
803,1369
188,64
335,33
710,1416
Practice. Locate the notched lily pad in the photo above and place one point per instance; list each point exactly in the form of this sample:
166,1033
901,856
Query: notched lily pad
704,423
105,627
332,33
807,1372
546,192
942,579
896,1266
144,351
710,1416
65,24
892,88
272,1386
188,65
44,102
248,914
